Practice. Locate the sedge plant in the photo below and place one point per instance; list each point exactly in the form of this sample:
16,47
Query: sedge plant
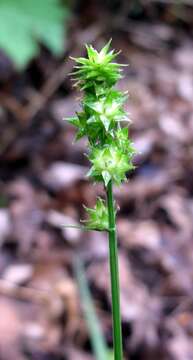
110,152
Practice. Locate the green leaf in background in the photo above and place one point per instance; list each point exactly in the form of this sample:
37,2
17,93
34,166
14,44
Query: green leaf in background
26,23
100,349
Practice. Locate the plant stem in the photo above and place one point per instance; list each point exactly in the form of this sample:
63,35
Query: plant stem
114,270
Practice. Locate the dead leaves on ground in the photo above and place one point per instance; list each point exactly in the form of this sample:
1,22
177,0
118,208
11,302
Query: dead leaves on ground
155,226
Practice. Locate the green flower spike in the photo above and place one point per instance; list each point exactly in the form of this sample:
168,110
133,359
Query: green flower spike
100,116
124,143
106,110
109,163
110,152
97,217
97,69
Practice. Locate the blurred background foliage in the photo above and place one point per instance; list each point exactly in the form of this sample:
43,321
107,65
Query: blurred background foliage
24,24
27,24
43,184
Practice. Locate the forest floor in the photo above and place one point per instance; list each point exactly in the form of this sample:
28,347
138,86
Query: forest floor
43,186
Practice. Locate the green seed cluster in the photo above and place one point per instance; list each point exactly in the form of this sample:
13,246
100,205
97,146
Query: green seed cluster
102,112
97,217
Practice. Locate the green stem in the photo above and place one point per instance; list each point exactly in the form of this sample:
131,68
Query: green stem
114,270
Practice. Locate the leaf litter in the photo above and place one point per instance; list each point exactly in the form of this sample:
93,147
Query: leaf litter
44,185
